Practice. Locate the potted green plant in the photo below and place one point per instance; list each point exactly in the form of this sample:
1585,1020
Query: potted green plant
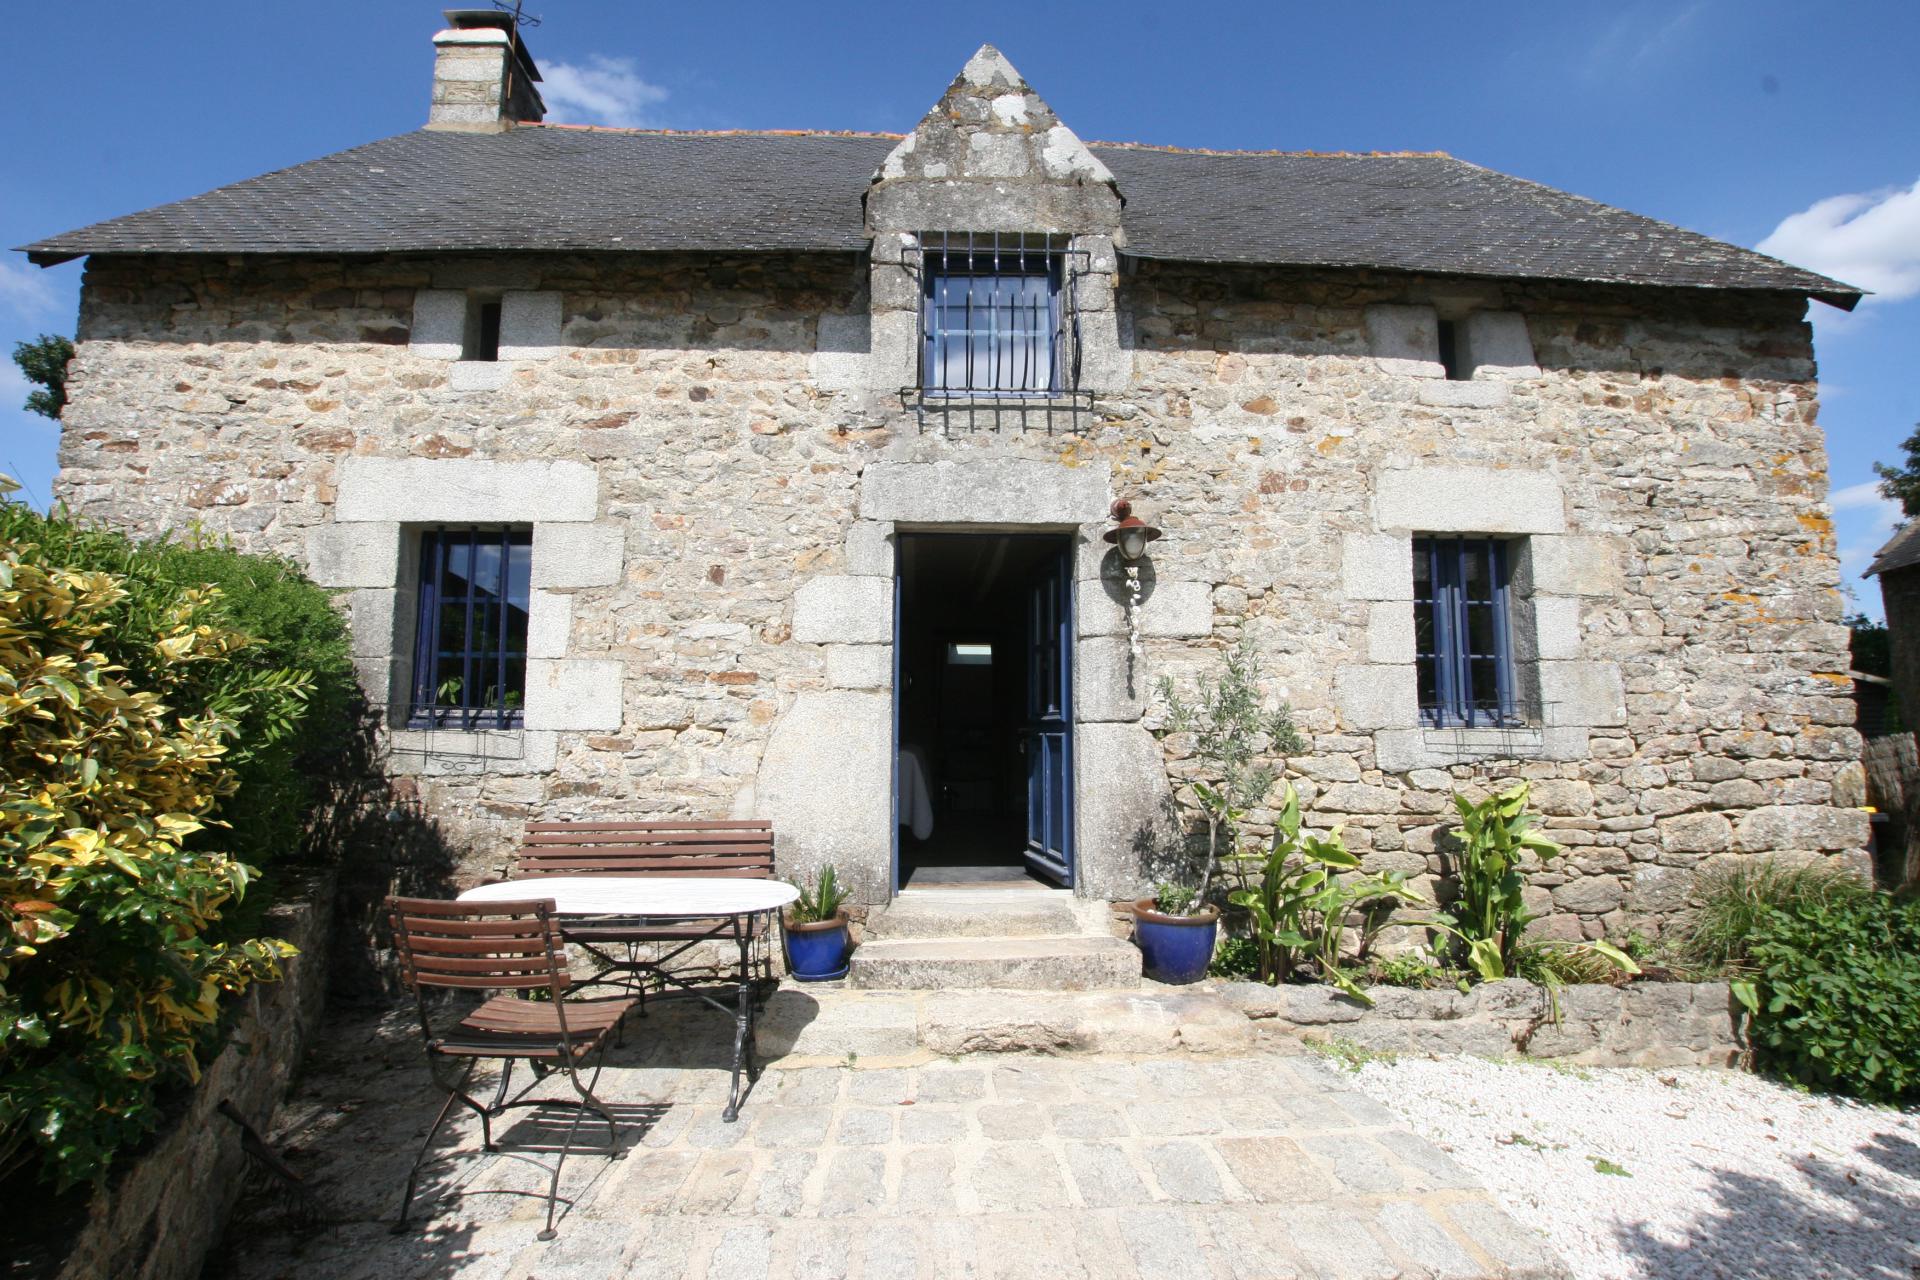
818,940
1176,933
1178,928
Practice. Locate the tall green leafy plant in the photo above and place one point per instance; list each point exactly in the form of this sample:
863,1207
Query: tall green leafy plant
1235,735
1485,923
1301,899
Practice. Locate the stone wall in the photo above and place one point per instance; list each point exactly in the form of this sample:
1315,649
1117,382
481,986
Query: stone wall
1659,456
1642,1024
164,1209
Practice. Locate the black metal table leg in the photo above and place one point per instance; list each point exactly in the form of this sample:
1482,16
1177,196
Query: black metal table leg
742,1018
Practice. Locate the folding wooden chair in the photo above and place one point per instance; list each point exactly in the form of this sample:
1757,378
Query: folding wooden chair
513,949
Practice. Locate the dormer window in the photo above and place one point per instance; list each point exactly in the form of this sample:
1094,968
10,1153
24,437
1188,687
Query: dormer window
993,319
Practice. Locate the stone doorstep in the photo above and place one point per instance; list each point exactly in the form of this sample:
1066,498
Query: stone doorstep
975,913
1052,963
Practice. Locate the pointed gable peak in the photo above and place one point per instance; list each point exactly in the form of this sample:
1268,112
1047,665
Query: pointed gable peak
988,68
990,125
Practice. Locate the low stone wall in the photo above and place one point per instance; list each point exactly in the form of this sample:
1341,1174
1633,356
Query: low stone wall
1643,1024
166,1208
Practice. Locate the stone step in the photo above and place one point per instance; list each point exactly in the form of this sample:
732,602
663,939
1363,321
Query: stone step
1078,963
976,913
819,1022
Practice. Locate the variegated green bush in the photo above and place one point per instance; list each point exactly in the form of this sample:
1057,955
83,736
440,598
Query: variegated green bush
122,701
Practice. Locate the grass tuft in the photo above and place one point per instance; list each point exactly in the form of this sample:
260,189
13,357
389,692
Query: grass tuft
1734,897
1556,964
1348,1054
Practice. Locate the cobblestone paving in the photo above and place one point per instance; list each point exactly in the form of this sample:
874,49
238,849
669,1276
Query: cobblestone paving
988,1166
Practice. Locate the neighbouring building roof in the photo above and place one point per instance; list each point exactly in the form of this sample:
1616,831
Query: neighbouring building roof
560,188
1902,551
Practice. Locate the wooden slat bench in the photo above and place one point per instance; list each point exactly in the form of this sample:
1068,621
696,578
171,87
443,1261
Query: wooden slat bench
670,847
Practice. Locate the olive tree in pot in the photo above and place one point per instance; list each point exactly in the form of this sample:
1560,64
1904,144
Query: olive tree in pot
818,940
1235,737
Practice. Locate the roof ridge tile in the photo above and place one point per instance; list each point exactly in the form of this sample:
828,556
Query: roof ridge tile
710,133
1169,148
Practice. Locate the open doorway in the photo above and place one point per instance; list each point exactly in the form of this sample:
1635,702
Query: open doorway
983,790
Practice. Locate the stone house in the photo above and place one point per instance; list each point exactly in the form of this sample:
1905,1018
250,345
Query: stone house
768,474
1897,566
1892,763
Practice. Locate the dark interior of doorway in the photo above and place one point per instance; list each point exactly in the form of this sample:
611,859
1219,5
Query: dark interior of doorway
963,681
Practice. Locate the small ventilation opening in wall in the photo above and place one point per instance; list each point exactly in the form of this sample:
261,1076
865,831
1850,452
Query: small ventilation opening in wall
1450,352
483,330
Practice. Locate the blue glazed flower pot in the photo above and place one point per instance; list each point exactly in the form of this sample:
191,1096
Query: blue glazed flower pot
818,950
1175,949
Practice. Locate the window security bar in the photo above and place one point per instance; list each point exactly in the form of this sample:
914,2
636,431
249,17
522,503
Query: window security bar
470,641
1462,633
1513,733
999,330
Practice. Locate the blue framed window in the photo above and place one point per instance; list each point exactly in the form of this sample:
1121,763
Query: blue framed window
470,646
1463,645
991,319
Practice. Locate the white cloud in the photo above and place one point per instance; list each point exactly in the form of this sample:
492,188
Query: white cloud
1864,494
1638,35
1866,521
1868,239
26,291
607,91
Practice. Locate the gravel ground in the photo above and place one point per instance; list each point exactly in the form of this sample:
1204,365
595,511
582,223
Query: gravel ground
1669,1174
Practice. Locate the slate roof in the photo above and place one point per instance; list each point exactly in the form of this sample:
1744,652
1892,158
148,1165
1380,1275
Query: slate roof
1902,551
545,187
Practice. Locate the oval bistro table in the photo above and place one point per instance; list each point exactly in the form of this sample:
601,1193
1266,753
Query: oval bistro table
731,903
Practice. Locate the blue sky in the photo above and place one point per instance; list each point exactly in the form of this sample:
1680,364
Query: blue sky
1792,125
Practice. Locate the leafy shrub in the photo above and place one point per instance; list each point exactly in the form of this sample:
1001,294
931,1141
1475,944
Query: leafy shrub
1236,958
1831,996
286,692
1734,898
1409,969
1234,733
133,714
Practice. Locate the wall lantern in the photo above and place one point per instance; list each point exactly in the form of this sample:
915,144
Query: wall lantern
1130,533
1130,536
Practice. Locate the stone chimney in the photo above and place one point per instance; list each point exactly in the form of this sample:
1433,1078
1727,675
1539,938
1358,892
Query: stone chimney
483,76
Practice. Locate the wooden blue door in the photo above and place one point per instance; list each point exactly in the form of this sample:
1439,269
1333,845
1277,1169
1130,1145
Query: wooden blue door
1048,735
